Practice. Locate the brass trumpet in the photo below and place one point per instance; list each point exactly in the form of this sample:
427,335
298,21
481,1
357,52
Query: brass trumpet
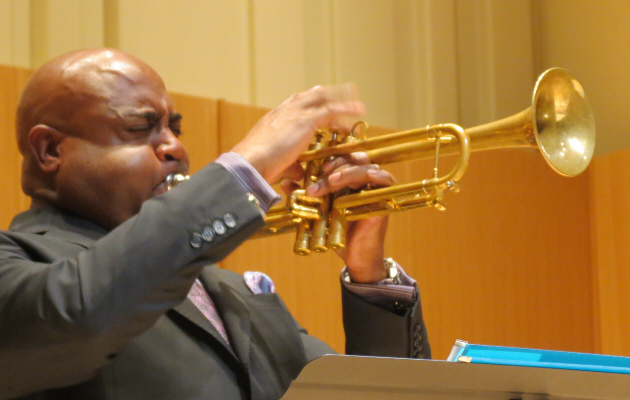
559,123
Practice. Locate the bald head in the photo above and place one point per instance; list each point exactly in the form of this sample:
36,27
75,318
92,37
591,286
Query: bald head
99,135
55,93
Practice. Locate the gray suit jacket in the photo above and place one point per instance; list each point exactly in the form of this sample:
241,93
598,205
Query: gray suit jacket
90,314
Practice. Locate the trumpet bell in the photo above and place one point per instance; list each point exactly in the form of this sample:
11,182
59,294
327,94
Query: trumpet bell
564,124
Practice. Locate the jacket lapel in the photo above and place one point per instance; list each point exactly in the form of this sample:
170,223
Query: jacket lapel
233,311
189,311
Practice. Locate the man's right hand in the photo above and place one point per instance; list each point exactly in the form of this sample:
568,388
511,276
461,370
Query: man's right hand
273,145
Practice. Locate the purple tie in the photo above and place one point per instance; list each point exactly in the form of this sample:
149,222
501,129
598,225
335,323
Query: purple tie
204,303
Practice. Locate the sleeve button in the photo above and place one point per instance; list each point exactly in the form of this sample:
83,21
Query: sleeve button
207,234
219,227
229,220
195,240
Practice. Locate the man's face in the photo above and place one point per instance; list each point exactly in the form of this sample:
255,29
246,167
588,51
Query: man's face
122,143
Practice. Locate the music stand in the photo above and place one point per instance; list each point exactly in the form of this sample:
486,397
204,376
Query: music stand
370,378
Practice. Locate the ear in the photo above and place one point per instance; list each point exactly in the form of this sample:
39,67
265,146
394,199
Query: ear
44,141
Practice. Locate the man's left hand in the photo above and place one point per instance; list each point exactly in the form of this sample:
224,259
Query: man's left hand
365,238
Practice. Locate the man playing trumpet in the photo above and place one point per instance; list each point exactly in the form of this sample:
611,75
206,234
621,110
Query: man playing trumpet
107,284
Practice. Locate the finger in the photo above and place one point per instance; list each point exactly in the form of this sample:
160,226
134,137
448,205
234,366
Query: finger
380,178
294,171
314,96
312,117
339,116
360,175
289,186
339,105
342,116
344,92
354,177
325,95
357,158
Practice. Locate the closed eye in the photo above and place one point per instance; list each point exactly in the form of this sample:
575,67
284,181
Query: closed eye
176,129
175,123
140,128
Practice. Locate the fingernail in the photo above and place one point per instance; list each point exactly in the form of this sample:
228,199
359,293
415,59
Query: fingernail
314,188
334,177
326,167
329,166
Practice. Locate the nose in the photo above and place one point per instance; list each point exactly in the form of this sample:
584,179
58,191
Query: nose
170,148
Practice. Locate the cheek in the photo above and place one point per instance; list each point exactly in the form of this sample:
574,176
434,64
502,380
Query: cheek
133,175
134,164
107,183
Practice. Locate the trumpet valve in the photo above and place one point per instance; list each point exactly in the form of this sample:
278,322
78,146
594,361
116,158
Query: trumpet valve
302,239
337,242
318,241
319,245
337,232
319,228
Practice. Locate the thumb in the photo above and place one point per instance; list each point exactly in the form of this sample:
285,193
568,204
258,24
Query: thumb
294,172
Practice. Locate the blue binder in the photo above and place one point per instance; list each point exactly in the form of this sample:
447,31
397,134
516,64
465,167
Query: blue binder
475,353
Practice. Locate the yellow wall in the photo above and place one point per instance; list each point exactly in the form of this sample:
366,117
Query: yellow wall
591,38
59,26
416,62
410,59
15,33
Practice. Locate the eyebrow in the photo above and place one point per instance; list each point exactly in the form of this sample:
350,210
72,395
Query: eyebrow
150,115
174,117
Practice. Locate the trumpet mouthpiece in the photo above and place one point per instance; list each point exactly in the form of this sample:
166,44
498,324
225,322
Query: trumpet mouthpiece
173,180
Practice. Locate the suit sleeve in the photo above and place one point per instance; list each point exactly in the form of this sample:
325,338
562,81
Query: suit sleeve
375,331
64,318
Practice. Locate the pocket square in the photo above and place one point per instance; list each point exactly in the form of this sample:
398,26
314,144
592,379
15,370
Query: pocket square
259,282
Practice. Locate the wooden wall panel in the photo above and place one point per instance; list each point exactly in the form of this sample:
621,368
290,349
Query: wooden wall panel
12,79
235,120
508,262
610,212
199,127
